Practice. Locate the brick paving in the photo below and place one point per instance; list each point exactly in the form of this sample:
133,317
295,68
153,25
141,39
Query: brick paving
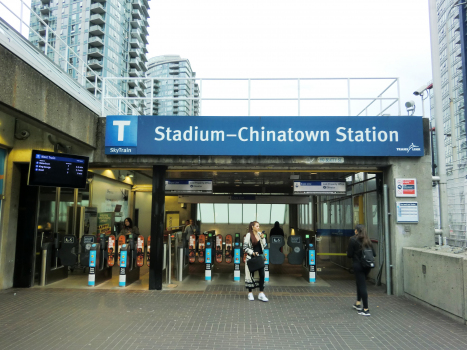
220,317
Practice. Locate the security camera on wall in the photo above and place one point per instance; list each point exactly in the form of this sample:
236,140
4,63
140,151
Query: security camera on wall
421,89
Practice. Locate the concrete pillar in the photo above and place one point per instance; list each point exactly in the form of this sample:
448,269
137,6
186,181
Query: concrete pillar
157,226
419,234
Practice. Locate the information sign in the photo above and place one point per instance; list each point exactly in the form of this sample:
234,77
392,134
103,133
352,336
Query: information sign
406,187
319,187
407,212
188,186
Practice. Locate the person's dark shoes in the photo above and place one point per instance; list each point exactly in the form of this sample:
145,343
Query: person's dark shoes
364,312
357,307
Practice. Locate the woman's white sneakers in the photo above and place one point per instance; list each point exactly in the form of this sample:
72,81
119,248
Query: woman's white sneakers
251,297
262,297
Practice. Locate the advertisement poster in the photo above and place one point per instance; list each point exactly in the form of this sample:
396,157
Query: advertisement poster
406,187
105,223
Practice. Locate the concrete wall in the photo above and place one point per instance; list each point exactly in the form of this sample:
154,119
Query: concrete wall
32,97
419,234
437,278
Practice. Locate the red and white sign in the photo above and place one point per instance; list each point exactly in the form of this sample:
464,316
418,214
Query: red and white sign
406,187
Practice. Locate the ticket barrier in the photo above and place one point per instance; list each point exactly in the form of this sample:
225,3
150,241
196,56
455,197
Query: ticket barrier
52,270
237,257
297,253
181,262
99,269
310,261
129,271
276,257
266,260
209,259
85,245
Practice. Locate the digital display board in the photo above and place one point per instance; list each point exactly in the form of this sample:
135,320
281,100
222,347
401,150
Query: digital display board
57,170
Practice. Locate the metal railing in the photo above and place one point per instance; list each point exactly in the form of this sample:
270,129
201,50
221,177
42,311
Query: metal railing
152,84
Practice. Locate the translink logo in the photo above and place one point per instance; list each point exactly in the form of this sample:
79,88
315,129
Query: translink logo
121,124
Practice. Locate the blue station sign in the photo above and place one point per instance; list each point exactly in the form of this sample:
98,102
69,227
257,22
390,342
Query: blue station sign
264,136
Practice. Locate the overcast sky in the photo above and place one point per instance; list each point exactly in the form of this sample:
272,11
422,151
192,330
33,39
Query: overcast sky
296,39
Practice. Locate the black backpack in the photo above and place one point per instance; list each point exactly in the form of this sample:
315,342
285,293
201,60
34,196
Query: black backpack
367,258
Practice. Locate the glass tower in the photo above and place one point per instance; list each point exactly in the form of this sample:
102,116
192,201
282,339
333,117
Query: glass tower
171,66
109,35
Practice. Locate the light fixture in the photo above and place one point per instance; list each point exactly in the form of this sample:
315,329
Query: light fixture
130,175
410,106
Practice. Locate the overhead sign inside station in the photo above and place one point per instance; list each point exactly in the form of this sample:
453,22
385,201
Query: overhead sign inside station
319,187
265,136
188,186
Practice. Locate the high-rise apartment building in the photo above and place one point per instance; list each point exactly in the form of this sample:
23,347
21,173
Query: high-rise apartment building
178,91
109,35
448,40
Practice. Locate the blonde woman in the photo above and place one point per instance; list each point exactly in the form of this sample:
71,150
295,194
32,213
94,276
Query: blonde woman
253,245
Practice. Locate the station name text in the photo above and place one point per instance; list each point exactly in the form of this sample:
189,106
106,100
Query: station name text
250,134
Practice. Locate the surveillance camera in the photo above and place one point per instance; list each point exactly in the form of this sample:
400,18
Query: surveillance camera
420,90
24,134
409,104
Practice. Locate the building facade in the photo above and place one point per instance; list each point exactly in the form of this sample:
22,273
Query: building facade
179,89
110,36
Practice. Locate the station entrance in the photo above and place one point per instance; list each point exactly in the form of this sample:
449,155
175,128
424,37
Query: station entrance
82,239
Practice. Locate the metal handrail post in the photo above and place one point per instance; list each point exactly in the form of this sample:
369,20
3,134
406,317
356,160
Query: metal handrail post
169,258
386,240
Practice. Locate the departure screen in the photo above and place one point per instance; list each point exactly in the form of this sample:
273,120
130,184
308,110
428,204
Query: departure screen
57,170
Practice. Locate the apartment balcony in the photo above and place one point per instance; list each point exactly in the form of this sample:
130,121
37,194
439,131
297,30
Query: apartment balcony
136,33
41,40
132,93
97,8
92,86
95,41
132,83
134,63
136,23
143,66
45,1
142,84
134,52
45,9
94,1
96,30
96,52
134,73
137,4
45,18
91,75
135,43
136,14
95,64
141,92
174,71
42,29
143,57
97,19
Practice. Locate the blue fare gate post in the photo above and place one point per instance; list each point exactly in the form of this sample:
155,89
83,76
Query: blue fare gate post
208,251
311,260
93,263
266,260
237,258
123,265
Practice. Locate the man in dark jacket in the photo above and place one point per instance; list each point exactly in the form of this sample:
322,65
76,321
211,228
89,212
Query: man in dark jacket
276,230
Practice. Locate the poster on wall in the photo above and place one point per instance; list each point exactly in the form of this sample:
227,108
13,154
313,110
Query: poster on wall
105,222
406,187
116,200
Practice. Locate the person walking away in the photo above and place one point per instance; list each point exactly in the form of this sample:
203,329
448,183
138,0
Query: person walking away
276,230
354,251
254,244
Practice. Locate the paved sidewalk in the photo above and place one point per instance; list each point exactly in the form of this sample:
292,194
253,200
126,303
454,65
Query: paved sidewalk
220,318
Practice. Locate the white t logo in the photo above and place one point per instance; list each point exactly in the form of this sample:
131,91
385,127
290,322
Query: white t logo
121,124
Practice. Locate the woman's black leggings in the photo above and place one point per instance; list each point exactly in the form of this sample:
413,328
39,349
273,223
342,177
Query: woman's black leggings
360,278
261,280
